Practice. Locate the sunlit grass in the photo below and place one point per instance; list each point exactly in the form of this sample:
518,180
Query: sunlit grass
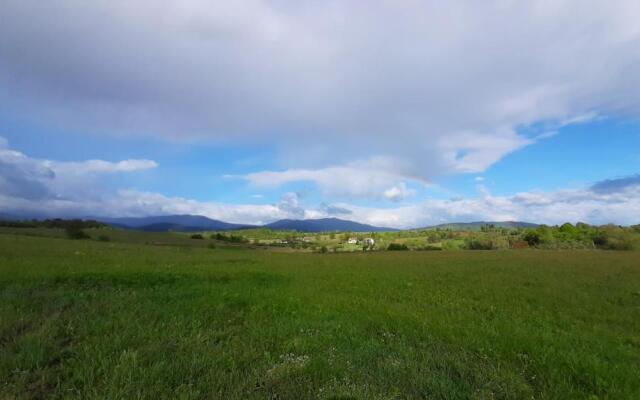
86,319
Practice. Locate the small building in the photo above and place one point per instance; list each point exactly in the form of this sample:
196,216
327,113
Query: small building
352,240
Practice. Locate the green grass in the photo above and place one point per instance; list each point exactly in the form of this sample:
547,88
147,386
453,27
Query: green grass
88,319
124,236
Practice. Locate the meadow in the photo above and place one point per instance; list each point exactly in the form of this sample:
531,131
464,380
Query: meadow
169,318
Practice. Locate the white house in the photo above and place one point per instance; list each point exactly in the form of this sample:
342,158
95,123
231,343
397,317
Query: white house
352,240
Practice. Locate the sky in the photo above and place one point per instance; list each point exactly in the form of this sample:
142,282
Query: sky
398,114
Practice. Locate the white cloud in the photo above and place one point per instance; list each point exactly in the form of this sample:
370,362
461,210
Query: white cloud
439,87
30,186
375,178
364,100
124,203
24,177
399,192
577,205
290,205
574,205
99,166
547,135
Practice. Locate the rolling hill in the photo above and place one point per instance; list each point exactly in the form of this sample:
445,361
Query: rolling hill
192,223
475,226
324,225
182,223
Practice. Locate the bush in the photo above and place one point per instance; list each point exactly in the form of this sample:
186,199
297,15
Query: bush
532,238
74,231
611,238
231,238
453,245
621,244
104,238
397,247
433,238
197,236
211,246
600,239
615,242
567,228
323,249
480,244
519,244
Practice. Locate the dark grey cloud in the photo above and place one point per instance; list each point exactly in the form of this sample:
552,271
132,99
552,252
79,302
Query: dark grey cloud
616,184
289,205
26,178
25,183
436,87
334,210
23,177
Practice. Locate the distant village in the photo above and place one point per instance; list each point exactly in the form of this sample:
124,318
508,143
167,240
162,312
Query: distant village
367,242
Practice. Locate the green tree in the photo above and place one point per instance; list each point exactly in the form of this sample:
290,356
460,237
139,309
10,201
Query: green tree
73,229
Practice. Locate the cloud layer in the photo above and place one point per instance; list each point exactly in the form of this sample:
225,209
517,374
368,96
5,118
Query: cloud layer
364,100
31,187
23,178
617,184
542,207
373,179
434,87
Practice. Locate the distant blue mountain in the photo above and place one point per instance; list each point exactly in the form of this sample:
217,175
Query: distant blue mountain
182,223
324,225
194,223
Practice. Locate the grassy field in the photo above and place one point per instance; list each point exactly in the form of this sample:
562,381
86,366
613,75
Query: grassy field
87,319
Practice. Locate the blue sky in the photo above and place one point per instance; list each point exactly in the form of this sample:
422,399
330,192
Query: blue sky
399,115
576,157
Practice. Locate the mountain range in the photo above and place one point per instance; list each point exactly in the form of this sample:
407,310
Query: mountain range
324,225
182,223
193,223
